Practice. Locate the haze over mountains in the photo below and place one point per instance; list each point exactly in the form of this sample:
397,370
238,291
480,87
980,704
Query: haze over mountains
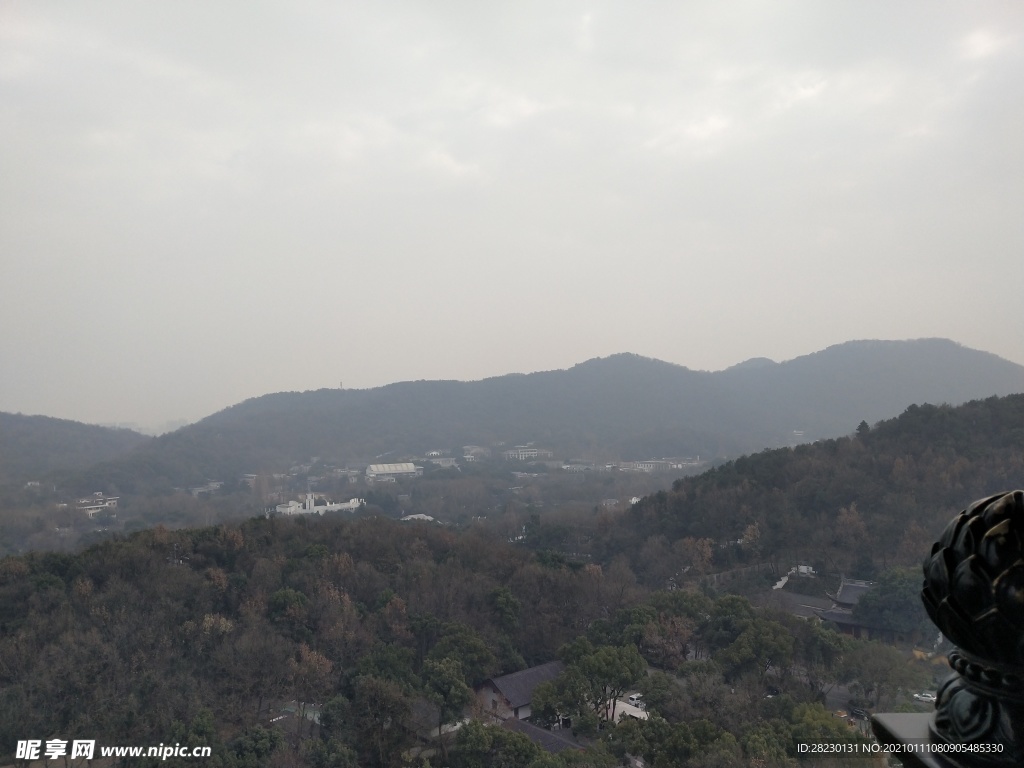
31,446
623,406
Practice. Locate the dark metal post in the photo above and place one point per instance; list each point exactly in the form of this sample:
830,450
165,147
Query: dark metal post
974,593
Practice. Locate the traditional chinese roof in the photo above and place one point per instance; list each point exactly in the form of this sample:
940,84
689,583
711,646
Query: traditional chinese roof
851,591
550,741
840,616
518,687
803,606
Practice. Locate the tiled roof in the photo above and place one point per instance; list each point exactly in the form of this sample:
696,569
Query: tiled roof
550,741
804,606
519,686
839,616
850,591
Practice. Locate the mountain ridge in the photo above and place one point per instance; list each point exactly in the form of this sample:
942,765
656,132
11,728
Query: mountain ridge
624,406
32,446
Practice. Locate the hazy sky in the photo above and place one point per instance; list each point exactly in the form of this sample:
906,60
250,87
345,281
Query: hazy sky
202,202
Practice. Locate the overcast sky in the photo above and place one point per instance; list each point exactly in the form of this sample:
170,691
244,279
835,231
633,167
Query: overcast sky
202,202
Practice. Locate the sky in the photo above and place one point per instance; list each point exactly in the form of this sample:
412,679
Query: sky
205,202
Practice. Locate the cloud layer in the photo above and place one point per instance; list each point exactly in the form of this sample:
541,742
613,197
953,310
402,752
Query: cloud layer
200,204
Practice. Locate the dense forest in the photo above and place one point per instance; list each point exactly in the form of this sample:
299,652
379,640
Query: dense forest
857,505
339,642
206,636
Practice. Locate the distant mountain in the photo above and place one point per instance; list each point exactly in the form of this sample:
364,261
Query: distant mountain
754,362
827,392
34,446
624,406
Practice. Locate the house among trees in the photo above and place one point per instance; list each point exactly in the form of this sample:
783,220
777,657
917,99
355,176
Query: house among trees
851,591
509,696
841,613
550,741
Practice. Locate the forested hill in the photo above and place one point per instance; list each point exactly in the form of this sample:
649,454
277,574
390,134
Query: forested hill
215,636
32,446
620,407
855,504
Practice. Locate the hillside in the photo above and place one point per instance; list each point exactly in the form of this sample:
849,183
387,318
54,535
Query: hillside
217,636
207,635
856,504
624,406
31,447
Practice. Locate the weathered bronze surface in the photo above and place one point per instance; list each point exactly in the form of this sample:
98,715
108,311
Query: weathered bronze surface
974,592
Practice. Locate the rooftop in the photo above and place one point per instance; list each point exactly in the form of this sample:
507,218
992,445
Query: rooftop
518,687
386,468
550,741
852,590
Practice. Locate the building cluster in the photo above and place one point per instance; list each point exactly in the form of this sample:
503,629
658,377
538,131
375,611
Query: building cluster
276,489
90,505
412,468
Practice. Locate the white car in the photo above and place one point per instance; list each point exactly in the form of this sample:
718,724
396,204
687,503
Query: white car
928,698
637,700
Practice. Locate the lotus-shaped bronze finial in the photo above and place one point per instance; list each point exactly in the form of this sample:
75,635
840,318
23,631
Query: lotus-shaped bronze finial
974,579
974,592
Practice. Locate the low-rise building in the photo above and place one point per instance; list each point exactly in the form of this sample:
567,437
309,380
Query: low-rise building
509,696
212,486
801,606
97,503
622,709
851,591
310,507
443,461
526,453
376,473
418,517
554,741
841,613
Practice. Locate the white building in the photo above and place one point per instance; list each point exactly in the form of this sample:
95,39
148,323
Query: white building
310,507
577,467
388,473
443,461
97,503
526,453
